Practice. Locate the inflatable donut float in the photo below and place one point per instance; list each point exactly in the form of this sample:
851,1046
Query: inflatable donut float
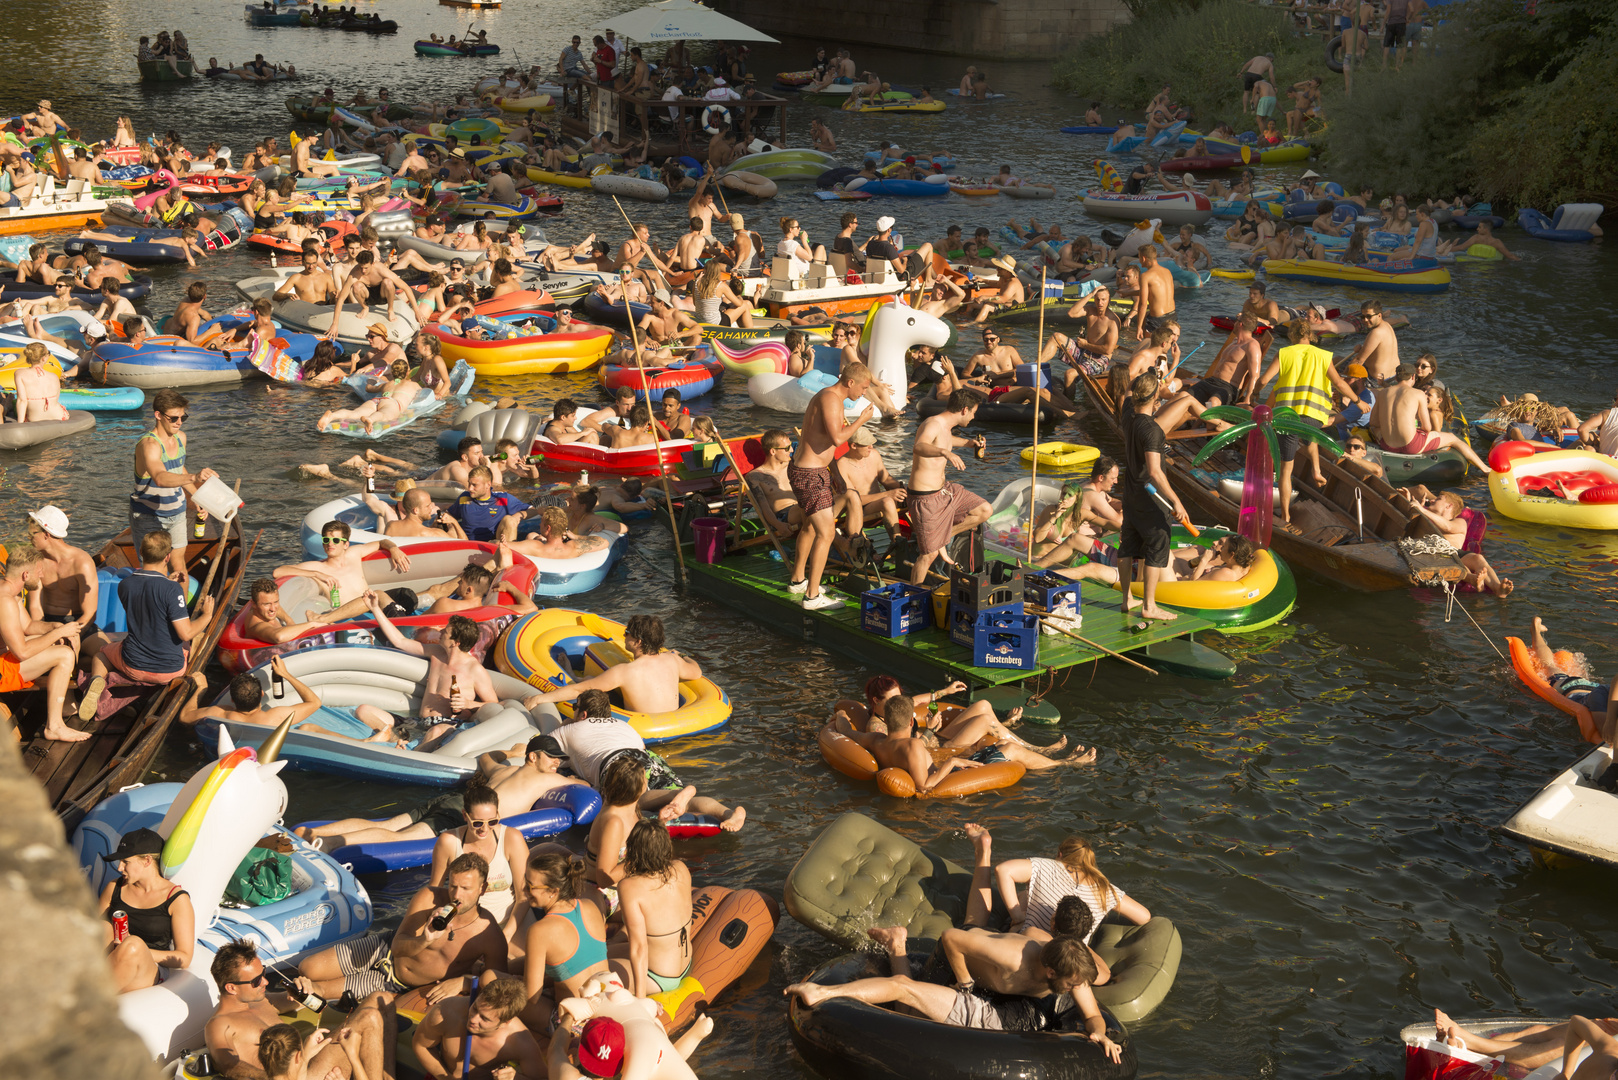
854,761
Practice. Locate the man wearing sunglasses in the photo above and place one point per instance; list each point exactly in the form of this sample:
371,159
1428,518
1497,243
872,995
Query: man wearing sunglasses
162,482
247,1009
340,572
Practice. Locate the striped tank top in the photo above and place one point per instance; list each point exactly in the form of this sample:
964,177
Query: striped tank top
1049,883
148,497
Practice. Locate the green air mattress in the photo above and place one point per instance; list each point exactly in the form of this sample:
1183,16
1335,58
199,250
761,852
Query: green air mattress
858,874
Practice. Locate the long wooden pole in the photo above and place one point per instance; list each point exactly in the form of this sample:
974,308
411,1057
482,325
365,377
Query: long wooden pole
1039,348
655,270
1097,645
748,491
657,444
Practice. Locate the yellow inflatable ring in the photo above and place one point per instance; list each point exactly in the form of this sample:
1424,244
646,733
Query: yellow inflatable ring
1216,595
1061,455
536,647
13,362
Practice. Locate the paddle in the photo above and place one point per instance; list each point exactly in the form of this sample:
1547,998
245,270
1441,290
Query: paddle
657,444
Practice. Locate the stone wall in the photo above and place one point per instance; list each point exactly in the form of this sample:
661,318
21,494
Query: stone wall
61,1014
1007,30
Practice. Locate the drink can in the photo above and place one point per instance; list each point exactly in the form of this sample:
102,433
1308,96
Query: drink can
120,925
336,599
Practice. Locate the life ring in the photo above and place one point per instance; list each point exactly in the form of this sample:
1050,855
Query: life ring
708,123
854,761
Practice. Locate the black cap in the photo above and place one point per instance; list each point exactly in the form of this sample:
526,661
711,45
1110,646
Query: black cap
546,744
137,842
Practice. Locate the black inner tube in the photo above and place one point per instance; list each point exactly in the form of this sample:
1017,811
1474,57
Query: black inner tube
1334,53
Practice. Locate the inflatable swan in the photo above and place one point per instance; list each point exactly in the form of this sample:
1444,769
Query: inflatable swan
894,329
209,825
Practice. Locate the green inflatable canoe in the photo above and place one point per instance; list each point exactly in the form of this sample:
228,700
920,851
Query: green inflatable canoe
859,874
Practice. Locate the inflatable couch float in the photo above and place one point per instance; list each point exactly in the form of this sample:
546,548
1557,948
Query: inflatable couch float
431,562
347,676
209,825
858,874
504,350
426,403
694,375
1575,489
553,813
1174,208
550,648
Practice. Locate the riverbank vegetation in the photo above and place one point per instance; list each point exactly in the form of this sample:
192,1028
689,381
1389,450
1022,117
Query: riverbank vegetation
1512,102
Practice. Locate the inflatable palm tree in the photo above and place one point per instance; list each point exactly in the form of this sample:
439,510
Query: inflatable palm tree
1263,450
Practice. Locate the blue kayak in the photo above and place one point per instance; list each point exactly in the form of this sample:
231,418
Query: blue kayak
1091,129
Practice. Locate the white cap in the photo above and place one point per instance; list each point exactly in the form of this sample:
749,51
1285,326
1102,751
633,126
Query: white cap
884,223
719,80
52,520
1310,174
95,328
662,296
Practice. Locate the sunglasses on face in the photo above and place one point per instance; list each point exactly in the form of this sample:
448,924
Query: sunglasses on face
328,541
483,823
261,977
182,418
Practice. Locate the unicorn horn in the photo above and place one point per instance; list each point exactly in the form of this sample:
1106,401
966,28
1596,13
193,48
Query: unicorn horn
270,749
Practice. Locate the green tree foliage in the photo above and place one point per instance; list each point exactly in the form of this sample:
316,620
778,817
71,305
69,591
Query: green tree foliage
1198,49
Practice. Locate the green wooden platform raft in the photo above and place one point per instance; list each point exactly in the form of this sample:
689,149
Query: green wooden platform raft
756,584
162,71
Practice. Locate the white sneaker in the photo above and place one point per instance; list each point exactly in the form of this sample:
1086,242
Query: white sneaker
798,588
816,603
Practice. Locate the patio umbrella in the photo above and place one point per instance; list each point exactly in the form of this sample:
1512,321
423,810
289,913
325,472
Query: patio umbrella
681,20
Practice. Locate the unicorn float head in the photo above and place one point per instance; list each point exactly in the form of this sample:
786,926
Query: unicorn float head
163,177
894,329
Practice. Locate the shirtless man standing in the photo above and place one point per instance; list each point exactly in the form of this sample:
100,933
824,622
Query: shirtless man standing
433,963
340,572
369,274
1156,301
1232,375
247,1010
939,510
1253,72
811,480
68,586
701,204
1404,426
1379,352
772,489
866,481
649,681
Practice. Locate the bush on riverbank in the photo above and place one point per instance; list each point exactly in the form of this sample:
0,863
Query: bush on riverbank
1199,51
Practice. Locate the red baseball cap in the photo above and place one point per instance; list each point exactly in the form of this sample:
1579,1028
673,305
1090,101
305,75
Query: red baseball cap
601,1047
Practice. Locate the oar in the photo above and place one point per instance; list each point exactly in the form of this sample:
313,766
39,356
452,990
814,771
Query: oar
653,258
657,444
1039,348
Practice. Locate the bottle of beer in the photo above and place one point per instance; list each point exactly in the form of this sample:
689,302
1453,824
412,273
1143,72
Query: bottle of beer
981,451
201,525
370,482
278,685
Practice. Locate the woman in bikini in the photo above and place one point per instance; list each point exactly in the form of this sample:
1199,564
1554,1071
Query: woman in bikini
565,943
655,898
501,846
1244,232
397,394
161,920
124,133
623,782
38,391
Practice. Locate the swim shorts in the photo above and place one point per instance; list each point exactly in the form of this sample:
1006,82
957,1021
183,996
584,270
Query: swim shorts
989,755
659,777
934,515
1587,692
812,488
441,812
970,1011
1145,533
1211,388
1291,444
1418,444
1152,323
1250,79
1266,106
1393,34
367,965
1105,554
11,675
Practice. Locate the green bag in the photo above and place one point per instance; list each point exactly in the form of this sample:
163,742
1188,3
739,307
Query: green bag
263,877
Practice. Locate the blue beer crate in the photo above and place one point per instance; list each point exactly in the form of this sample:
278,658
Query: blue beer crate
1005,641
896,610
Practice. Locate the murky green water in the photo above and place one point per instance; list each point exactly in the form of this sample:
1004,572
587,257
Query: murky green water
1320,827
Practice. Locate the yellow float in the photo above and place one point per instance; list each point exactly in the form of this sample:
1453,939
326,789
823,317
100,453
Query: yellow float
1261,578
1061,455
539,354
551,648
1588,480
560,179
540,103
11,362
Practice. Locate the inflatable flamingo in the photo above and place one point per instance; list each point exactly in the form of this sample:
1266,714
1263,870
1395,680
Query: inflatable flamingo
209,825
145,202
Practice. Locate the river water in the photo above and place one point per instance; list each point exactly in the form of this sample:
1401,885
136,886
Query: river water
1320,827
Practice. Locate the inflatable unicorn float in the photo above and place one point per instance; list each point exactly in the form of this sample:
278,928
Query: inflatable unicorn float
893,328
209,824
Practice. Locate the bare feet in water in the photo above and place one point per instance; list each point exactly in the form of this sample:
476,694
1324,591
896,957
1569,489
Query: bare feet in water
733,821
